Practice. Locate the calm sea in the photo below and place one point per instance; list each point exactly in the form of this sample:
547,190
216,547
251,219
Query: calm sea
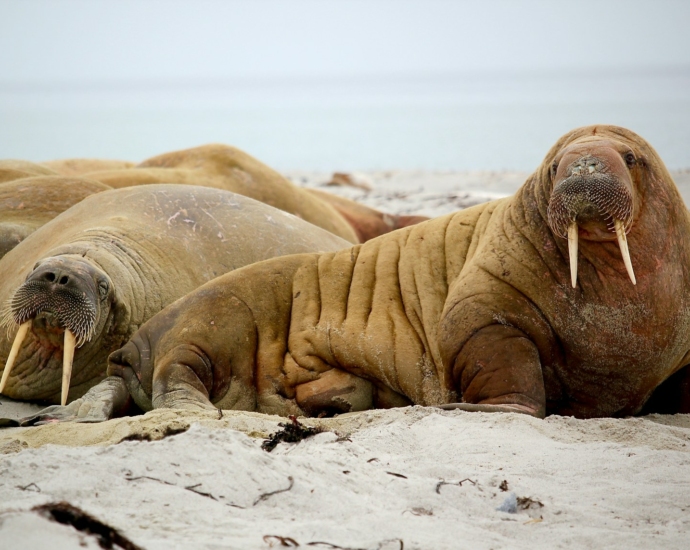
461,122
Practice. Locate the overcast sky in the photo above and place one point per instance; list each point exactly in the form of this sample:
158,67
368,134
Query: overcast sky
75,40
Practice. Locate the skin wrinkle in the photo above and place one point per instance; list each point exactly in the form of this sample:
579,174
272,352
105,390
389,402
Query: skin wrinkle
353,260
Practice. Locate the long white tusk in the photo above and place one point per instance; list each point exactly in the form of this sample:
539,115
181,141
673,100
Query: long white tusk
21,334
623,243
572,251
67,358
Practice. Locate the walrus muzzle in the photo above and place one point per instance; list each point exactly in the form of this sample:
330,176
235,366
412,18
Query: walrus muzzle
590,196
69,297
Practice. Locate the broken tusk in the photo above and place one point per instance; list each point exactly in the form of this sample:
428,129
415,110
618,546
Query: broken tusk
623,243
67,358
21,334
572,251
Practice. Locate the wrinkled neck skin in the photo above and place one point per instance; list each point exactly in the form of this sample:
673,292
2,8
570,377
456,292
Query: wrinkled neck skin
611,342
37,373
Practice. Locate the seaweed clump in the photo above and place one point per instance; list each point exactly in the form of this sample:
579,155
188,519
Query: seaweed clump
291,432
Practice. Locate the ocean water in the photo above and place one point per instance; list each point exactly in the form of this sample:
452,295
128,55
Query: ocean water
451,122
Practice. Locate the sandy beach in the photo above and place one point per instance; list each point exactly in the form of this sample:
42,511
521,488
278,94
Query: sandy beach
409,478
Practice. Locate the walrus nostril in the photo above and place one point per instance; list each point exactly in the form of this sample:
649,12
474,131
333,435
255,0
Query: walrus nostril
53,276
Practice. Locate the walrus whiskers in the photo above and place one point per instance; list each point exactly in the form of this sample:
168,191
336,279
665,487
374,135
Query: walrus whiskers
623,243
18,340
572,251
67,360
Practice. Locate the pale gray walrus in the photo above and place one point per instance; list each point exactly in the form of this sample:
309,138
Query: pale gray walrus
570,297
92,275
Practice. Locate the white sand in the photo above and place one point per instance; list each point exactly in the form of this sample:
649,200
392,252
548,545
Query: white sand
415,478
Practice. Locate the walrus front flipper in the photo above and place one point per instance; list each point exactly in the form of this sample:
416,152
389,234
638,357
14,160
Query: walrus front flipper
500,367
104,401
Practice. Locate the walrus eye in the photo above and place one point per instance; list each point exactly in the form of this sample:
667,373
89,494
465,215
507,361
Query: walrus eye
630,159
102,289
554,169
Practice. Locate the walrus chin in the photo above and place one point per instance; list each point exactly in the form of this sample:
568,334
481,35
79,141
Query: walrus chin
592,199
64,294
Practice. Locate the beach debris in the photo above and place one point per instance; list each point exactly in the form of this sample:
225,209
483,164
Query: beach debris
65,513
157,433
419,511
510,505
292,432
458,483
30,487
289,542
529,505
264,496
359,181
514,504
504,485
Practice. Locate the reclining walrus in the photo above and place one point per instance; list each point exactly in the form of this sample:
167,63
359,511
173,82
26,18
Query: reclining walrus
29,203
538,303
90,277
229,168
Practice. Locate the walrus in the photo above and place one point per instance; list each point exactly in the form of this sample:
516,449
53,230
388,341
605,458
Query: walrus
570,297
229,168
76,167
77,288
28,203
11,169
367,222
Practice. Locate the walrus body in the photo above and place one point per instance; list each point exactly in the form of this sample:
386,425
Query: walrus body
105,266
216,166
490,307
29,203
228,168
79,167
367,222
17,169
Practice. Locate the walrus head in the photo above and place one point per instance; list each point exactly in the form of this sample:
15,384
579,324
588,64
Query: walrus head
64,301
593,196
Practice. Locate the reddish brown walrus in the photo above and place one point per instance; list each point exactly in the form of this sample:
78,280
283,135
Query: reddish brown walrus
478,307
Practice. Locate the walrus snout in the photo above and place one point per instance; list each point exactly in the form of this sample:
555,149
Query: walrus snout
67,288
592,199
70,290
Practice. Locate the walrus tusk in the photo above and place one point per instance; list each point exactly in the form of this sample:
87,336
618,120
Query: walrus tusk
21,334
572,251
67,358
623,243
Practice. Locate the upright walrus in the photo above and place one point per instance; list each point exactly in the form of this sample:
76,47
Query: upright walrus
570,297
91,276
